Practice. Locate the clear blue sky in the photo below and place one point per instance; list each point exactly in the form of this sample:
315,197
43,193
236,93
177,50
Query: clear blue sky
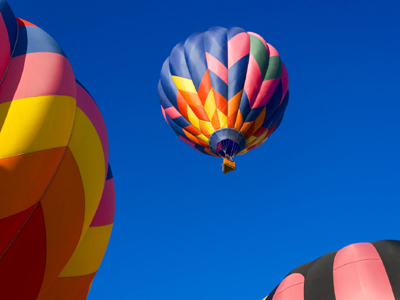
328,177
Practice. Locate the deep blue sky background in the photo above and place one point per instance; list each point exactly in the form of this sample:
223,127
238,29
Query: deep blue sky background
328,177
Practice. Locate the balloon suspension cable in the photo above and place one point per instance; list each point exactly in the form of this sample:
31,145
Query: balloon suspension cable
228,165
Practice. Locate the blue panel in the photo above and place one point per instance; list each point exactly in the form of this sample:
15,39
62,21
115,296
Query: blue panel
178,130
234,31
218,84
109,173
165,103
244,105
273,103
196,57
216,43
201,149
182,122
10,22
237,76
177,62
32,39
168,85
278,115
254,113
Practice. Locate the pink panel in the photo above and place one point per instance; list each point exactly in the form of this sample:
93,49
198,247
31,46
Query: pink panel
267,89
291,288
217,67
37,74
86,103
359,274
106,209
253,80
238,46
5,51
285,81
189,142
262,40
172,112
163,112
272,50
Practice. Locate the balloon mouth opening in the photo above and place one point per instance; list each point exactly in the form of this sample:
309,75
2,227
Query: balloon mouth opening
227,142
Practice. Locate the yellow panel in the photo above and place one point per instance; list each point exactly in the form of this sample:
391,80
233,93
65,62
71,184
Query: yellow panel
223,120
208,126
184,84
193,119
202,137
250,139
34,124
89,253
209,105
87,150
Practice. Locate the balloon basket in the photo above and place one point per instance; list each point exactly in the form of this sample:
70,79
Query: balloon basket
228,165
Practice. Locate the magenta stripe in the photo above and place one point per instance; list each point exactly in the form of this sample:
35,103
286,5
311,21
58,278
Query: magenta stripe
5,51
285,81
86,103
106,209
38,74
217,67
272,50
291,288
172,112
187,141
267,89
359,273
163,112
253,80
238,46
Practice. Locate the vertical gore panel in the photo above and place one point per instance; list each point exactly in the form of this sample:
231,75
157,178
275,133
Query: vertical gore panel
319,280
359,274
69,288
24,178
291,288
389,251
22,265
63,208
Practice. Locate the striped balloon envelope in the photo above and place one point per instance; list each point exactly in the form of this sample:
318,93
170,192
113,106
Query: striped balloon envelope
224,91
362,271
53,167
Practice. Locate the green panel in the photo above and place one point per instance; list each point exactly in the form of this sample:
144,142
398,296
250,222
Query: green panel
260,53
274,68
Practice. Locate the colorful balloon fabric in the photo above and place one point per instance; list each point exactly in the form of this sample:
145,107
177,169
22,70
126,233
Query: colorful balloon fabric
56,190
224,91
363,271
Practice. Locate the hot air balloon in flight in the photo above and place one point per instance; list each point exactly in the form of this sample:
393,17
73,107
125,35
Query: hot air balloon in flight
224,92
362,271
55,195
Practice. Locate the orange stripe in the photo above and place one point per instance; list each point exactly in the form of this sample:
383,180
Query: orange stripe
239,121
63,207
24,178
191,98
193,130
221,103
182,105
200,113
69,288
204,130
205,87
246,126
215,121
233,103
